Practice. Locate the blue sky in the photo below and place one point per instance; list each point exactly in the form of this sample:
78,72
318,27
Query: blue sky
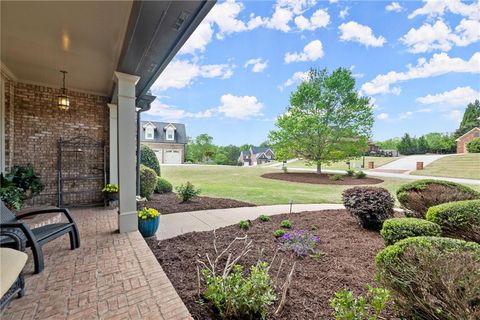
419,61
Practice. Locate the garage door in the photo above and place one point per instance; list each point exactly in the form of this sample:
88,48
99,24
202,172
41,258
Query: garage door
172,157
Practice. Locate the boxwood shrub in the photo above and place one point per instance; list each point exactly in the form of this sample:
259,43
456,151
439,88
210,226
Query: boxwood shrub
369,205
396,229
432,277
163,186
416,197
149,158
459,219
148,181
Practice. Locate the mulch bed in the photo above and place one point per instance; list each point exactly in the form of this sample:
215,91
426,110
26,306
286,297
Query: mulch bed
314,178
169,203
347,261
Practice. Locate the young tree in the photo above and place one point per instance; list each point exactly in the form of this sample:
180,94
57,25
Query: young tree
470,119
327,120
422,145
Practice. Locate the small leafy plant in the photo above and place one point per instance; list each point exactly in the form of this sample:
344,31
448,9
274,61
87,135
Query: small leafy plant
286,224
350,172
187,191
110,188
348,307
278,233
264,218
313,227
163,185
244,224
336,177
360,174
148,213
301,243
236,296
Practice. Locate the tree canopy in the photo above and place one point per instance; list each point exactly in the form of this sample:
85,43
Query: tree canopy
470,119
327,120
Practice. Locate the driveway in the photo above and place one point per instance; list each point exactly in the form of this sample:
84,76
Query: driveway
409,163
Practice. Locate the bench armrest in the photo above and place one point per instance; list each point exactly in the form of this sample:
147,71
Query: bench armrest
25,230
17,236
52,210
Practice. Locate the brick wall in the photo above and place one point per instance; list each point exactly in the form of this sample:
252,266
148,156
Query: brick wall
34,126
464,140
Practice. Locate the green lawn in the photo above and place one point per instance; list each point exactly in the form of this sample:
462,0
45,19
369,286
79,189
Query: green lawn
378,161
456,166
245,184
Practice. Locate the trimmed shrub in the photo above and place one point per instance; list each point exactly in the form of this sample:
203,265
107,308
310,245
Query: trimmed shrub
432,278
369,205
148,181
336,177
163,186
149,158
360,174
474,146
187,191
396,229
416,197
459,219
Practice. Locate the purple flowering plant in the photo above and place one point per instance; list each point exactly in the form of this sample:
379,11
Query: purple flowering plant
301,243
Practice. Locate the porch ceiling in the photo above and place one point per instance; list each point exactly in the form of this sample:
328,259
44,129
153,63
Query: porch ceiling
85,38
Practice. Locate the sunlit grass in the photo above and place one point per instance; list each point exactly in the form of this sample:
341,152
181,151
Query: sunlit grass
455,166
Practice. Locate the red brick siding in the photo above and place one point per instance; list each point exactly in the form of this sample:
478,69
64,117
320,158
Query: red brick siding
464,140
34,126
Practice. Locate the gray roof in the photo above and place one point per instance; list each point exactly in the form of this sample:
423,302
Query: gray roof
159,132
257,150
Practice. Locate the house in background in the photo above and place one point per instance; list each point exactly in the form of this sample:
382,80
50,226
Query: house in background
166,139
255,156
463,140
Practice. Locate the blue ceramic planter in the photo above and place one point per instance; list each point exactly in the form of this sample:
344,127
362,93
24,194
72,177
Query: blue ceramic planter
148,227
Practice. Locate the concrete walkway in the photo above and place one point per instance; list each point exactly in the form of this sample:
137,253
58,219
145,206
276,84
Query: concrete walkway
172,225
409,163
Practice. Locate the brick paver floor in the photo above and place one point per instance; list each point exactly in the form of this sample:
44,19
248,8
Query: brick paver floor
111,276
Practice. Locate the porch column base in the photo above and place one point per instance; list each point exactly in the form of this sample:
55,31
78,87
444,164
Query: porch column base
127,222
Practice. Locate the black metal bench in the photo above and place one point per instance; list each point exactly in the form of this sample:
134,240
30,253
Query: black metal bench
37,237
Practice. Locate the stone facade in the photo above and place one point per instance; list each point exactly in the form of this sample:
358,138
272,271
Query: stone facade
466,138
34,127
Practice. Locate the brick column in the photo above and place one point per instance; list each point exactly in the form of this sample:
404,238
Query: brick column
113,176
126,148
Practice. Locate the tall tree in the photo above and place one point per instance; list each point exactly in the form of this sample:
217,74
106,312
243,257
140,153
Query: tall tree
470,119
407,145
327,120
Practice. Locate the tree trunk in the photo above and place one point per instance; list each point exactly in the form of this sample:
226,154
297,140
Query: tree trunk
319,167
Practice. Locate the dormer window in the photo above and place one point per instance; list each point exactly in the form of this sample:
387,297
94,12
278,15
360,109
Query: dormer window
149,133
170,134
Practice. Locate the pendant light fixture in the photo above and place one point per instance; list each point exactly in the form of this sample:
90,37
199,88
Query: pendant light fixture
63,101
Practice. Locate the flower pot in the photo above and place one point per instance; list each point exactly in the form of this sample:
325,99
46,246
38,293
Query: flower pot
111,196
148,227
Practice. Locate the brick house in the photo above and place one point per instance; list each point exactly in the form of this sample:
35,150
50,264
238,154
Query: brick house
113,51
255,156
463,140
167,140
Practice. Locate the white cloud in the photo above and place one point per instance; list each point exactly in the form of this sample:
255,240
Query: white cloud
296,77
311,52
319,19
435,8
285,11
353,31
454,115
394,6
460,96
439,64
343,13
199,40
258,65
439,36
405,115
181,73
240,107
333,1
167,112
383,116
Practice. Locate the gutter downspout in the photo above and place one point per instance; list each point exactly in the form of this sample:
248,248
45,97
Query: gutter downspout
144,105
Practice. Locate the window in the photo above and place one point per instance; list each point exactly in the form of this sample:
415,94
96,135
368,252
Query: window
149,133
170,134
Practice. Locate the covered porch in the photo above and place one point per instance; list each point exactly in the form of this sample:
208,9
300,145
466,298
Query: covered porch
112,53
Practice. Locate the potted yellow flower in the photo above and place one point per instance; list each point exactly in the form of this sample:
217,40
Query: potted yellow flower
148,222
111,192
